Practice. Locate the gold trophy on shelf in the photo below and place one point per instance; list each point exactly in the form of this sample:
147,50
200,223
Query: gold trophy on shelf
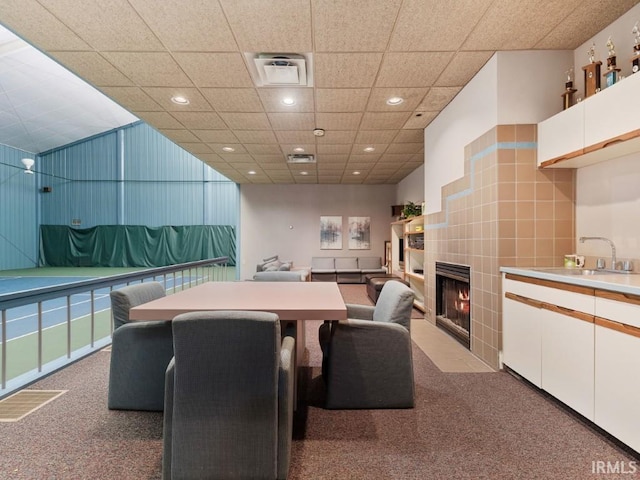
592,73
635,60
567,96
611,75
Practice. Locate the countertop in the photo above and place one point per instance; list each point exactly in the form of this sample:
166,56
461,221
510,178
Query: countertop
616,282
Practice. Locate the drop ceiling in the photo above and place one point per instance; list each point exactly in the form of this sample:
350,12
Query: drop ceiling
141,53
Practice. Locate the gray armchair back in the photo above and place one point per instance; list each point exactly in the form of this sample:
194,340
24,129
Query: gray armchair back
140,352
367,359
229,397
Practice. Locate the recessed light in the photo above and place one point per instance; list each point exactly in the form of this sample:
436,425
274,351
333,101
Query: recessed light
180,100
251,172
304,173
395,101
298,149
228,149
369,149
288,101
356,173
318,132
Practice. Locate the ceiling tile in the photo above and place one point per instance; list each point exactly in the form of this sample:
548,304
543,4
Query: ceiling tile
255,136
149,69
415,136
93,68
260,26
462,68
218,148
195,147
215,136
233,99
178,136
236,159
159,120
292,121
207,27
215,69
163,96
264,149
395,158
353,26
335,136
434,25
344,148
269,158
346,70
384,120
405,148
333,158
420,120
246,121
375,136
411,98
509,25
342,99
296,137
306,148
438,98
416,69
106,24
338,121
133,97
272,99
200,120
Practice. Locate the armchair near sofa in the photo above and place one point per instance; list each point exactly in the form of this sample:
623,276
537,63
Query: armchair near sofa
367,359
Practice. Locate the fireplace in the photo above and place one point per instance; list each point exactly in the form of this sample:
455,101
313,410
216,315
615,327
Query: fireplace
453,301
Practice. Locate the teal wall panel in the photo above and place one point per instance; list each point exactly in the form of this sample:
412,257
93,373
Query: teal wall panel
18,211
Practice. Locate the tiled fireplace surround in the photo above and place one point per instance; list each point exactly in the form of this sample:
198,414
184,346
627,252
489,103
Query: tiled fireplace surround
504,211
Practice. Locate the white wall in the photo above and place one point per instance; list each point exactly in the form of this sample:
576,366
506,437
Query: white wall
285,220
608,194
470,114
411,188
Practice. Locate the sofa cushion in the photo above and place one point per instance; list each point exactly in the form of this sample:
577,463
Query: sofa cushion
272,266
323,263
369,263
347,263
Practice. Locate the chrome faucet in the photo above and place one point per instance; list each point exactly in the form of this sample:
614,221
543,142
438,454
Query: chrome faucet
613,248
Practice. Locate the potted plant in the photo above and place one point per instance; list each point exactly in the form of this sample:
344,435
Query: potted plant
411,210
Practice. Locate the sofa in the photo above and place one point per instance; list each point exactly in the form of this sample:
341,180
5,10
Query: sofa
273,264
344,269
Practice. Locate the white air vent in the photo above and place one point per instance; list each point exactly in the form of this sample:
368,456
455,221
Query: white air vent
300,158
280,69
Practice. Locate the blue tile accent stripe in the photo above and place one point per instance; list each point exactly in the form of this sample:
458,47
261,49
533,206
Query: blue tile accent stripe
474,158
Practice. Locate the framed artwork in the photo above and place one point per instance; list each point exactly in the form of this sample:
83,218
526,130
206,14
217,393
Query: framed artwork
331,233
359,233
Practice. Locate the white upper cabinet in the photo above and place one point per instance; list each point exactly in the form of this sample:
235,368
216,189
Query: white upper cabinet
603,126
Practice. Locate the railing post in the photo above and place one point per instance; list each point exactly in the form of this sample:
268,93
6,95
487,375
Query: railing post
39,336
93,316
4,350
68,326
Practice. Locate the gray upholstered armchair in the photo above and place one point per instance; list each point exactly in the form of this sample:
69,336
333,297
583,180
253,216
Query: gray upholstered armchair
229,397
367,360
140,351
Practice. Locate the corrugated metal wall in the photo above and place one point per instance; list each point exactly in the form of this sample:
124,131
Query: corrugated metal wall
18,211
135,176
132,176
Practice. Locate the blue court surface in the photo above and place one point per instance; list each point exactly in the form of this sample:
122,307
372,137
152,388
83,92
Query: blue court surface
24,320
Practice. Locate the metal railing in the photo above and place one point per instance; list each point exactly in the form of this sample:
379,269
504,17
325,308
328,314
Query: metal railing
96,325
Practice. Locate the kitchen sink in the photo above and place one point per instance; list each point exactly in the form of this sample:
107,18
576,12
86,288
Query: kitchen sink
582,271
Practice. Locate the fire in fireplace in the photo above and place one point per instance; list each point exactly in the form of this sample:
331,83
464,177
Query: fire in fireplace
453,301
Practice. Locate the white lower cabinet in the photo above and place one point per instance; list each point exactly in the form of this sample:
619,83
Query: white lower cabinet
567,358
521,333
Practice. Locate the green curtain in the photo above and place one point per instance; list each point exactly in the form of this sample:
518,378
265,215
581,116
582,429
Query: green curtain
134,245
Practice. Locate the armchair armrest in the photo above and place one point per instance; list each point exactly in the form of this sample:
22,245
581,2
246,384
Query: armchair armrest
360,312
285,404
167,423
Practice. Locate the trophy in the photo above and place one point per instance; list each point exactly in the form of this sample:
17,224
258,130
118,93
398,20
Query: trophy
611,75
592,73
567,96
635,60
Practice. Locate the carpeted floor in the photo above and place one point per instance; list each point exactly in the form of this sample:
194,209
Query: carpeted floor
464,426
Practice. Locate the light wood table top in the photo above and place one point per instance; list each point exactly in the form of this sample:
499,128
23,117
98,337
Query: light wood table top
289,300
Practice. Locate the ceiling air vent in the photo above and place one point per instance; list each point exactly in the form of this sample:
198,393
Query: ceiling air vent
300,158
280,69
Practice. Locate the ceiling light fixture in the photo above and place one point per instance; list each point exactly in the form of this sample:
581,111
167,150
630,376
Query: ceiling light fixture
318,132
298,149
251,172
28,163
180,100
228,149
395,101
369,149
288,101
304,173
356,173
